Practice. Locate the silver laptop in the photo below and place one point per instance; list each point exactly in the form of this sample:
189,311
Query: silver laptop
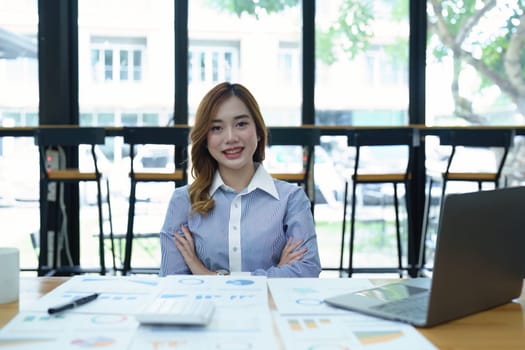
479,264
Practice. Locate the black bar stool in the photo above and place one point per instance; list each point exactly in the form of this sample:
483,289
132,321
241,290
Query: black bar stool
308,138
372,139
135,136
56,138
457,140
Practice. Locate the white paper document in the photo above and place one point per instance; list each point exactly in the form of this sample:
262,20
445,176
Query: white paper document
306,295
129,295
305,322
351,331
231,328
67,330
242,316
117,295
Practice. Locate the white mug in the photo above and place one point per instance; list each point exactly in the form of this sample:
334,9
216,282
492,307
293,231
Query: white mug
9,274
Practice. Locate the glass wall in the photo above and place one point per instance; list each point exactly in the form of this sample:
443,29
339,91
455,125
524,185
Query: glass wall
250,43
474,76
475,65
19,208
126,73
475,61
361,79
126,56
126,78
361,62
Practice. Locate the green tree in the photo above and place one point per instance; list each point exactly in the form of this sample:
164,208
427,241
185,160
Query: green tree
252,8
351,30
498,57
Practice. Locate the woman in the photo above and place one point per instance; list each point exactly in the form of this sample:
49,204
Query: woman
235,217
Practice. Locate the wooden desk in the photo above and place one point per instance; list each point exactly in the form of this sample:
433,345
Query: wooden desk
31,288
499,328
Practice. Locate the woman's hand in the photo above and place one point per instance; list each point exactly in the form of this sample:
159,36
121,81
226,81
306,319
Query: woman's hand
186,247
289,254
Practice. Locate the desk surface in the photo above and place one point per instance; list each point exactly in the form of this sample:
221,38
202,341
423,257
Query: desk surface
499,328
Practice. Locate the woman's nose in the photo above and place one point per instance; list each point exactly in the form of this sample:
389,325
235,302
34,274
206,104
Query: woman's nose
231,135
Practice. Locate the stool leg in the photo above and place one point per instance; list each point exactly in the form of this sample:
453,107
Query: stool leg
43,262
57,228
443,190
101,251
129,232
110,218
398,233
343,230
410,217
426,217
352,230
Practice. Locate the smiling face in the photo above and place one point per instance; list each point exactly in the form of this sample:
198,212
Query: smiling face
232,139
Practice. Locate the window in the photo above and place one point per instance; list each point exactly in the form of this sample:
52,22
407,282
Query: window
118,59
130,119
108,65
124,65
19,119
97,119
362,62
289,63
254,43
380,70
212,62
19,101
137,65
126,78
473,79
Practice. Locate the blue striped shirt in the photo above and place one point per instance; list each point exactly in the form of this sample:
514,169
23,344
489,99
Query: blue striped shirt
246,231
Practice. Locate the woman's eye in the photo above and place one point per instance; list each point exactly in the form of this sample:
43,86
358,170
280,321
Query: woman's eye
242,124
215,128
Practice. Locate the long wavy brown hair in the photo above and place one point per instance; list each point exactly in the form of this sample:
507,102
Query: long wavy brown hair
204,165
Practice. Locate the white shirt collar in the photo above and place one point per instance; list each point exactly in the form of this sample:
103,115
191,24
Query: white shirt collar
261,179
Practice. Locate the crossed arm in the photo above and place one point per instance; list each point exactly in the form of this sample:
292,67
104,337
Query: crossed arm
186,247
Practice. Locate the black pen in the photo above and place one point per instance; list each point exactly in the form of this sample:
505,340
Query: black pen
73,304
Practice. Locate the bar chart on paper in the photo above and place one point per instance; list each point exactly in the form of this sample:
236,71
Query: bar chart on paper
298,325
347,332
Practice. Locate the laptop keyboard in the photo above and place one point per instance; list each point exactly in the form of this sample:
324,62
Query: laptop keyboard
414,307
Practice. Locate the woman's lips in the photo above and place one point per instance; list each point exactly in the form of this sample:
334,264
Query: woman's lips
232,152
